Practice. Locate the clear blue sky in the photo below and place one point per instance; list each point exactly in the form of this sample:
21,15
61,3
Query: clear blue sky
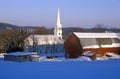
74,13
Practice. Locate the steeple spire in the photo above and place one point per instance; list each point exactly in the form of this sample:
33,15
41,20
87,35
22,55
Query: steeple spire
58,27
58,17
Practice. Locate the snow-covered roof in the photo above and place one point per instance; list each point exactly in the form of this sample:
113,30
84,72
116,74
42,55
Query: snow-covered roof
96,35
44,38
21,53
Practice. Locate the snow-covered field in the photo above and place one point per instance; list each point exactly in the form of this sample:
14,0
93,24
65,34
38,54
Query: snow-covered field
81,68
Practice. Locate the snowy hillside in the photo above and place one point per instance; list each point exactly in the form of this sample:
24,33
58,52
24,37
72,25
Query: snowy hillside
108,69
61,68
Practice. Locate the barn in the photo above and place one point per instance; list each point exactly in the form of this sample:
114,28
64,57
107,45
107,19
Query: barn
99,43
21,56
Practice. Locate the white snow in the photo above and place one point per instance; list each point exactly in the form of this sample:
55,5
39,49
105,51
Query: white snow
22,53
102,58
2,55
88,54
111,56
112,45
85,57
60,68
43,40
104,46
96,35
92,46
69,69
81,58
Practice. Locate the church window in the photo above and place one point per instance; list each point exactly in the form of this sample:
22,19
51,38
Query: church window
59,28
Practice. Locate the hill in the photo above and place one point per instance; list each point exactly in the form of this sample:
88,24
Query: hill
8,26
66,31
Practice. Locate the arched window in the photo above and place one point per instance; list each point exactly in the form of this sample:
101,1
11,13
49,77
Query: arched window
59,28
59,33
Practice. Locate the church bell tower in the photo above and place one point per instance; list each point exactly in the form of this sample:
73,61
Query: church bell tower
58,27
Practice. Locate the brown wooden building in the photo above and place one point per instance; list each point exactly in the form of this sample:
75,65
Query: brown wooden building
99,43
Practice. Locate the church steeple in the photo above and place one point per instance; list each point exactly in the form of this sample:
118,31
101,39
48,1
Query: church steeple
58,17
58,27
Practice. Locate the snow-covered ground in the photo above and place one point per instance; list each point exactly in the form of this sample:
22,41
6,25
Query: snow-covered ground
81,58
1,55
61,68
109,69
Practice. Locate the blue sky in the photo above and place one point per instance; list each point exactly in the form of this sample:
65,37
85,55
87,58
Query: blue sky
74,13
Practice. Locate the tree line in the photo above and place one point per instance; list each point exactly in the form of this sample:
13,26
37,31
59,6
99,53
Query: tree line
12,40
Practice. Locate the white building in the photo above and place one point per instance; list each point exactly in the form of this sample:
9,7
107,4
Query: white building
58,27
46,43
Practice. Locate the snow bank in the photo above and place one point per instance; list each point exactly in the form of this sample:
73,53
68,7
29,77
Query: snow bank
109,69
85,57
88,54
113,55
81,58
1,55
109,56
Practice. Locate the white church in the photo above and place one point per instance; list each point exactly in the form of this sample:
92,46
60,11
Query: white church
46,43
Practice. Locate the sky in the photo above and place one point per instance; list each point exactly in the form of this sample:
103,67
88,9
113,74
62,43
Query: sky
74,13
